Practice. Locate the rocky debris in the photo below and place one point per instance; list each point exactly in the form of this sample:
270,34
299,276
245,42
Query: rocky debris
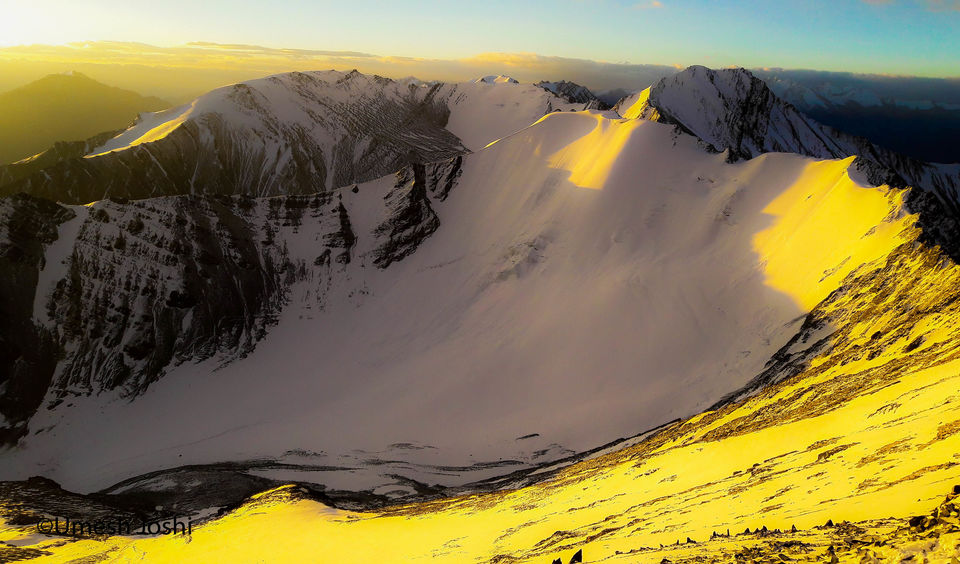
944,519
26,502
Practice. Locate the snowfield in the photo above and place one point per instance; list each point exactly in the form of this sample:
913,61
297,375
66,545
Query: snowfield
591,277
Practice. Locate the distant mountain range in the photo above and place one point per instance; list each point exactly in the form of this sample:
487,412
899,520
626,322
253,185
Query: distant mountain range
64,107
917,117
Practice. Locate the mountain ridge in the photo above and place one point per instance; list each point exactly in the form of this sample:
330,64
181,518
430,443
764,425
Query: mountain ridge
295,133
64,107
733,110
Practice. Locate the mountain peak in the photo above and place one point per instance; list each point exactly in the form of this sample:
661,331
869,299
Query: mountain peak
731,109
499,79
64,107
72,74
66,79
574,93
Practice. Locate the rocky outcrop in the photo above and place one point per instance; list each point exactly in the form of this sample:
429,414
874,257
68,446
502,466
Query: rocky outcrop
28,352
409,220
441,177
574,93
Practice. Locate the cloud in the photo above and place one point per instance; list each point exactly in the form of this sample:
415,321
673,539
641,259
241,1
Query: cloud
945,91
932,5
181,72
943,5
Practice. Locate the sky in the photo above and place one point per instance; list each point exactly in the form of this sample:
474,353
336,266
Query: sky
901,37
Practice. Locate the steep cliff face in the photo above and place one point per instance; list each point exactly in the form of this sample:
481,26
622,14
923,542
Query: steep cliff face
156,282
111,295
28,352
409,216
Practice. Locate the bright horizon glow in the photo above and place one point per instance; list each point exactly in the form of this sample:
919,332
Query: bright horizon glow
902,37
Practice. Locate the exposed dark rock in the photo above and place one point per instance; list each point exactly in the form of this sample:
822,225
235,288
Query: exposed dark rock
441,177
194,277
148,284
410,217
574,93
28,353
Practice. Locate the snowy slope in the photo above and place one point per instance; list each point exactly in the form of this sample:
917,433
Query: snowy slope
585,278
482,112
732,110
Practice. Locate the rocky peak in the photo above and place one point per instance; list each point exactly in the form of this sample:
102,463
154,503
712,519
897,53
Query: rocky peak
498,79
733,110
574,93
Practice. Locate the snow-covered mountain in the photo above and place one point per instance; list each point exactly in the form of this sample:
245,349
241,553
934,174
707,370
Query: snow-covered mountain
919,117
823,90
586,263
732,110
295,133
64,107
497,79
575,93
